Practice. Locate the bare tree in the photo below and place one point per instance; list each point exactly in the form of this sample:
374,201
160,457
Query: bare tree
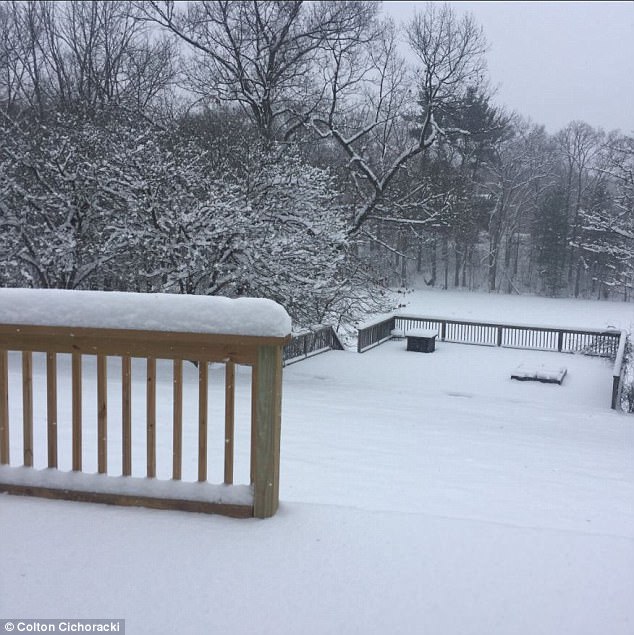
519,167
22,58
80,54
450,53
261,54
102,53
579,144
606,236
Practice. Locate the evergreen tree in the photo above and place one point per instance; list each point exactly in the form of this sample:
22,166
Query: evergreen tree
549,234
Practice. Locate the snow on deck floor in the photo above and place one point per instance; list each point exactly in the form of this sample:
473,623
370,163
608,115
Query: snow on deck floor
450,431
421,493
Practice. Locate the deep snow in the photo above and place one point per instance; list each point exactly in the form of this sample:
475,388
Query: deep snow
421,493
517,309
144,311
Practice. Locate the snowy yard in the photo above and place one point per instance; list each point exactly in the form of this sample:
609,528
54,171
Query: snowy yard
420,494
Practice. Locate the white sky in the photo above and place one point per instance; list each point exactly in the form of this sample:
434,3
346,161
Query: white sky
555,62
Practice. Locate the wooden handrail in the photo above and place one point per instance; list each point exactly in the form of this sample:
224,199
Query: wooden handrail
308,343
617,372
529,327
381,331
240,349
262,353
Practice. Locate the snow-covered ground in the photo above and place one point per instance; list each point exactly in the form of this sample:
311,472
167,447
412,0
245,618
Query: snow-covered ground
514,309
420,494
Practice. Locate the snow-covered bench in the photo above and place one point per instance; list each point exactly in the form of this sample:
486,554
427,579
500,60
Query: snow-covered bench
539,373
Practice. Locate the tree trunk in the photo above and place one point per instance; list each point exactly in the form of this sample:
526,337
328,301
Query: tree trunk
493,264
467,260
578,278
507,263
456,273
445,257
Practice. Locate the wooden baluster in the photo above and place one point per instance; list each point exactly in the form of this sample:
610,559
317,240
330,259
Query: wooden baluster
76,412
27,407
51,408
126,416
177,432
102,414
4,408
230,383
202,420
151,417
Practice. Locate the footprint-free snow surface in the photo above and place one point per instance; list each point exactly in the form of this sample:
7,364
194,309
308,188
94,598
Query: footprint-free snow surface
420,494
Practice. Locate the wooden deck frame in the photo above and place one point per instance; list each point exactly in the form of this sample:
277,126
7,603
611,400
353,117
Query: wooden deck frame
263,354
127,500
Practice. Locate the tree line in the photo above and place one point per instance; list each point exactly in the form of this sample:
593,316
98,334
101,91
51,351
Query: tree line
294,151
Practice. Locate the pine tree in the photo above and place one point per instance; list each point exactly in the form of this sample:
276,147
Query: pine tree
550,230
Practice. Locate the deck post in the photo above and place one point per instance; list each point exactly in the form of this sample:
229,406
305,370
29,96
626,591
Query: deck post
616,386
4,408
268,407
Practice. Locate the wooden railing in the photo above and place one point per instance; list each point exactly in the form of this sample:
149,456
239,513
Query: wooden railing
604,343
617,373
309,343
370,336
263,354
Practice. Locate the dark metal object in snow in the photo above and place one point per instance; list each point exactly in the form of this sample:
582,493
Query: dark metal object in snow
421,340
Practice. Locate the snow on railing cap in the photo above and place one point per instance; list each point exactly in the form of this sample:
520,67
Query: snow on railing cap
144,312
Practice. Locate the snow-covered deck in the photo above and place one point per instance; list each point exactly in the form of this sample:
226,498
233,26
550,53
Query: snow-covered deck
420,493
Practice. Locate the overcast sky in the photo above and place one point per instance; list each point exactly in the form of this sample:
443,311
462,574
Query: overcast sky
556,61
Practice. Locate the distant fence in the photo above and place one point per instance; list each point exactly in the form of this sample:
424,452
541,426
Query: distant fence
370,336
603,343
311,343
262,354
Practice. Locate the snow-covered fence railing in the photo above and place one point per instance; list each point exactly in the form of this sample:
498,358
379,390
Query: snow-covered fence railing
154,327
375,334
303,345
604,343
